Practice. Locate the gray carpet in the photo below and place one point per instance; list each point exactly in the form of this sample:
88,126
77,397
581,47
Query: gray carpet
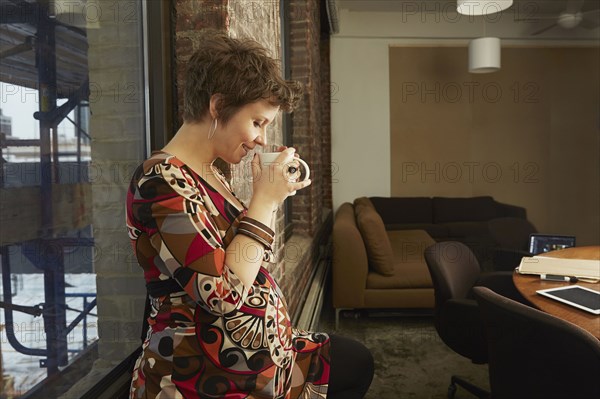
410,359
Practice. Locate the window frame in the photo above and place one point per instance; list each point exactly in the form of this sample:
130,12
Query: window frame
160,105
286,120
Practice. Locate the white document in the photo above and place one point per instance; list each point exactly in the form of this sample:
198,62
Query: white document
580,268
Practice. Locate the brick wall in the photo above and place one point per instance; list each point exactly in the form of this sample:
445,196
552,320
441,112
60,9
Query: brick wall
309,120
190,17
328,90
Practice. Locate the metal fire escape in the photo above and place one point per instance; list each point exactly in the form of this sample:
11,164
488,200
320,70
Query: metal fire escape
38,51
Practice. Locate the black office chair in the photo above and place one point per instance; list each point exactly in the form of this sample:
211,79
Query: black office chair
533,354
454,271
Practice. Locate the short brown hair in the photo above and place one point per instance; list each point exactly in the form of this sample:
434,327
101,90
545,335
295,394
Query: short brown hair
238,69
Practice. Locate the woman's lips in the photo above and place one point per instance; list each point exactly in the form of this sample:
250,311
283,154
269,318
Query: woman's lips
246,149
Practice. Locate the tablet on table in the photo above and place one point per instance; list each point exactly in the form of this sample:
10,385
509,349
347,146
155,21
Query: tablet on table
575,295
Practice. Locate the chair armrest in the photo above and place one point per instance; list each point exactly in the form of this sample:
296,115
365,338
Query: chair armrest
502,283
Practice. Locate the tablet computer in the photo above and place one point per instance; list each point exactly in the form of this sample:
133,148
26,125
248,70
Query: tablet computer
575,295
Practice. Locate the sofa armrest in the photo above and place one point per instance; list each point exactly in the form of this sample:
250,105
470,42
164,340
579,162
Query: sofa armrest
350,264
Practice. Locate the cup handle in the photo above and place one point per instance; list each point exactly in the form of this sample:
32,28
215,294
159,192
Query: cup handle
306,168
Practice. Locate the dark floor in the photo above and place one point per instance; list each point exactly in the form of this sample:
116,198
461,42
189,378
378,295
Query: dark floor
410,359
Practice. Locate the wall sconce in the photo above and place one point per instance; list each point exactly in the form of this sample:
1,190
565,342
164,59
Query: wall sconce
481,7
484,55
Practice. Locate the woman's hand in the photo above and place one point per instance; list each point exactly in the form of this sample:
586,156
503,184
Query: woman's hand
273,183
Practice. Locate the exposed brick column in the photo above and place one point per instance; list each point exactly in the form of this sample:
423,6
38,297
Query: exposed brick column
328,90
191,17
308,119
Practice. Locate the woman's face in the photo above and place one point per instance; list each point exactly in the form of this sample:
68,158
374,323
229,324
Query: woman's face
244,130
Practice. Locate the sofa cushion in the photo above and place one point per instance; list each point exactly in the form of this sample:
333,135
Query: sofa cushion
407,275
434,230
409,246
377,243
474,209
466,229
396,210
411,271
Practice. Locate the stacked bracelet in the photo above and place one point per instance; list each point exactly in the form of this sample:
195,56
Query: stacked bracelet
257,231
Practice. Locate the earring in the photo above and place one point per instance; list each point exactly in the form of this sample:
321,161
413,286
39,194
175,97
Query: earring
213,129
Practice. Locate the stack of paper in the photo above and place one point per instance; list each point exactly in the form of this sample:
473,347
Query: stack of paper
581,268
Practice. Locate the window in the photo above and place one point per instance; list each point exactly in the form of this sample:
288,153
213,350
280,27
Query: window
72,125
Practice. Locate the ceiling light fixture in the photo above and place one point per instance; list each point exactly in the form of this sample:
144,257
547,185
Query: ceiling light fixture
481,7
484,55
484,52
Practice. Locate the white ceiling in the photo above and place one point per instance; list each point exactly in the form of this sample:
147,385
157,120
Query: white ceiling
527,18
531,6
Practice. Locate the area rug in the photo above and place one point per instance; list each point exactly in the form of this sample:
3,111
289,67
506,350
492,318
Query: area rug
410,359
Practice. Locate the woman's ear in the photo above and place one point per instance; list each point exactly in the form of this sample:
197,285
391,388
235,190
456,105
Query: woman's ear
214,105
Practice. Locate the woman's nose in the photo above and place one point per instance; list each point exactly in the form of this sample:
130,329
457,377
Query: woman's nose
261,139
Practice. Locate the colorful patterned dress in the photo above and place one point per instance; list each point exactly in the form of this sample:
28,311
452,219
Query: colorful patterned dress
212,338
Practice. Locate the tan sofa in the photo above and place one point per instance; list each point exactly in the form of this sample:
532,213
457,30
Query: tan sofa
363,278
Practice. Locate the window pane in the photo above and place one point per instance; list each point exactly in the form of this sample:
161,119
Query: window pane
63,154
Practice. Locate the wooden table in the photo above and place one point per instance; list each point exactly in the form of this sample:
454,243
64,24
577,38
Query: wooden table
529,284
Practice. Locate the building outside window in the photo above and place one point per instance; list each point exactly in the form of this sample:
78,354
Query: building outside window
72,128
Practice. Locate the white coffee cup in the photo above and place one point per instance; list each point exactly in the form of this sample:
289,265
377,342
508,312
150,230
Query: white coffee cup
270,158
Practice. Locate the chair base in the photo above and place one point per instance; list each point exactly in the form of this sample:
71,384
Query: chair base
475,390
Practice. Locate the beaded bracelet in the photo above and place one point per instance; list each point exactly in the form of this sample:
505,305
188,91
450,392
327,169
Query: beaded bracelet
257,231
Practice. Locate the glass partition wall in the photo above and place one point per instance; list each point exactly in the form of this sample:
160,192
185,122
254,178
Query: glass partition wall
72,126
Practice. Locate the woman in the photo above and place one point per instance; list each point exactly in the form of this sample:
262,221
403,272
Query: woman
219,327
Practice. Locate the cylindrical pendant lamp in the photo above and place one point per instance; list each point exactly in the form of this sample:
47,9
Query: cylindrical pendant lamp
481,7
484,55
